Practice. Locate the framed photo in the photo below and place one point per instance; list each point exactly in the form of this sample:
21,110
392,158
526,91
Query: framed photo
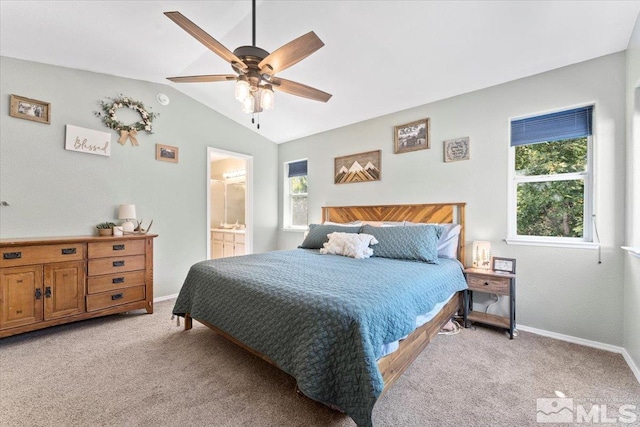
167,153
412,136
503,265
360,167
30,109
456,149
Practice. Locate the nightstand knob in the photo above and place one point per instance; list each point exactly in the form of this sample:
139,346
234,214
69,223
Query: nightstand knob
486,283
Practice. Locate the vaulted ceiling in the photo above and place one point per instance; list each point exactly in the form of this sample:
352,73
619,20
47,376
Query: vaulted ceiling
379,56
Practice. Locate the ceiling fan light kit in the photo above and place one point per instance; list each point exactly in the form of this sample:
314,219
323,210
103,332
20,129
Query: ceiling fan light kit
255,67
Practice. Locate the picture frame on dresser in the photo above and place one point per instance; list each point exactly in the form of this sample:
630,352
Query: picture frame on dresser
503,265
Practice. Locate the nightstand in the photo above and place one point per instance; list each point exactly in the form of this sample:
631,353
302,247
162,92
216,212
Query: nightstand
490,282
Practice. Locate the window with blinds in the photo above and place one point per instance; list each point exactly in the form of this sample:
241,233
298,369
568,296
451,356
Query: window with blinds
296,182
551,176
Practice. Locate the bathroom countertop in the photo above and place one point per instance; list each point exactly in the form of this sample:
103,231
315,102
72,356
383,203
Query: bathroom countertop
229,230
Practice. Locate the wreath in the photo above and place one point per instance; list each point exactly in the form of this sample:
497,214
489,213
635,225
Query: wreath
109,119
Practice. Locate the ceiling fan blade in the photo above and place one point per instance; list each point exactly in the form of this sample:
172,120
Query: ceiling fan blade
203,78
199,34
299,89
291,53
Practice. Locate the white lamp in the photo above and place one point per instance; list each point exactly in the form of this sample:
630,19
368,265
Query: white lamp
481,254
127,212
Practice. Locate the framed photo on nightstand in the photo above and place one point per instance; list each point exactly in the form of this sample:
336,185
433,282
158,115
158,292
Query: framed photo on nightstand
503,265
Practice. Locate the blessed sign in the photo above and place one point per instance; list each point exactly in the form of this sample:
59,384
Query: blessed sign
87,141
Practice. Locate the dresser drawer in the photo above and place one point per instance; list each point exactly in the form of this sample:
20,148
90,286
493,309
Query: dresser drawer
114,265
114,281
228,237
496,285
27,255
114,298
116,248
239,238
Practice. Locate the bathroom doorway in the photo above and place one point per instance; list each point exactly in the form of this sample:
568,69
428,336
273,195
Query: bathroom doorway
229,203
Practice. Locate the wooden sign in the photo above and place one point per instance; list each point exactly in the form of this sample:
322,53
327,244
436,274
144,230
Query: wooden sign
87,141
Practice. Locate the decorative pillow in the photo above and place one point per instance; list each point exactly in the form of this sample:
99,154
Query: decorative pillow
317,235
349,244
448,242
412,243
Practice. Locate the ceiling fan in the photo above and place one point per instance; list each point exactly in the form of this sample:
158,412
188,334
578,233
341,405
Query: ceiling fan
255,67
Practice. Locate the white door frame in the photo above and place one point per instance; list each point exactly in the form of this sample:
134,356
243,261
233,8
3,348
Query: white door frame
248,203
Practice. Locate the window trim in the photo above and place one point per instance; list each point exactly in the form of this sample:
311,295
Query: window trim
287,205
588,239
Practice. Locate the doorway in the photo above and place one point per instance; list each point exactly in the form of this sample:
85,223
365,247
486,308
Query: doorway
229,203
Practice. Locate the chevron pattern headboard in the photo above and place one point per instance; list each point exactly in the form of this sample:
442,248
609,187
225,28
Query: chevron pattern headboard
433,212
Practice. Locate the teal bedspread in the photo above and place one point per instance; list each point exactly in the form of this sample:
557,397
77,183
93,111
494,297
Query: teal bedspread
321,318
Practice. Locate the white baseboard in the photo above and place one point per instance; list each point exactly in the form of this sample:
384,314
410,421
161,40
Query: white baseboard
631,363
166,297
587,343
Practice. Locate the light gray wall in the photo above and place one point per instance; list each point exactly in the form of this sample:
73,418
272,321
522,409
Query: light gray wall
558,289
632,265
53,192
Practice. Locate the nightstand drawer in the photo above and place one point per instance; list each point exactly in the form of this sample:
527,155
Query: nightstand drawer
495,285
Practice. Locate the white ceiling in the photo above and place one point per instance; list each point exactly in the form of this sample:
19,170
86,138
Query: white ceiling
379,56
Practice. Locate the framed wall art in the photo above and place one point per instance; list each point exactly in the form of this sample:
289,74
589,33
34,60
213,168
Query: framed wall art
412,136
167,153
30,109
361,167
456,149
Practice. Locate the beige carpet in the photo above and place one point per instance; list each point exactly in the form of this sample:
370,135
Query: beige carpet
137,369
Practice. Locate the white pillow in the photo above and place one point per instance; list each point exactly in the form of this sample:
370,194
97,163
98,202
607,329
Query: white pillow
349,244
448,241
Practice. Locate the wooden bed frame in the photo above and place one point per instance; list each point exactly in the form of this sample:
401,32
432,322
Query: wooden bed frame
393,365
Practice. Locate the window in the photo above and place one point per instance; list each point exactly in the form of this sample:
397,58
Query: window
295,210
551,178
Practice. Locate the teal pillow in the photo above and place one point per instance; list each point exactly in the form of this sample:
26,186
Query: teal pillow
317,235
412,243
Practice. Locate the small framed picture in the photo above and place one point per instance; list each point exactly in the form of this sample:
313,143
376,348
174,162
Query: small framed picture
503,265
412,136
30,109
456,149
167,153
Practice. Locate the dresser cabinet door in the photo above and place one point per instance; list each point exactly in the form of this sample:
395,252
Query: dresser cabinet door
64,289
21,296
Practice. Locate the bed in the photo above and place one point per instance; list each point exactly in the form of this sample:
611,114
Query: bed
326,319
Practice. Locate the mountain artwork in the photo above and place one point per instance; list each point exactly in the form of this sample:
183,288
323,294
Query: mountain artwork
349,168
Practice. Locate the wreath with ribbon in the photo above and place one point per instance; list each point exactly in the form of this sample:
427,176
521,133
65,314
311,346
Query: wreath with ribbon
110,120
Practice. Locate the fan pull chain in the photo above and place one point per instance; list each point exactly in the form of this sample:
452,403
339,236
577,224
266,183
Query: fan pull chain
253,120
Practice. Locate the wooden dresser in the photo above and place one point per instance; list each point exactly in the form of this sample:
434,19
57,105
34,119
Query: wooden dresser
55,280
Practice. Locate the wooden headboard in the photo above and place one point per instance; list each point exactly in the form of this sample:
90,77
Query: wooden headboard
443,213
